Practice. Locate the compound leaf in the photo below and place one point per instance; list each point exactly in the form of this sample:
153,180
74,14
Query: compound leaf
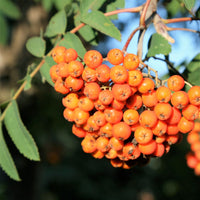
6,161
19,134
36,46
98,21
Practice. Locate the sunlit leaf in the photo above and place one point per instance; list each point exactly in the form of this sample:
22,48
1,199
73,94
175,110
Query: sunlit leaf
19,133
57,24
60,4
97,20
6,161
36,46
189,4
158,45
87,6
194,64
72,41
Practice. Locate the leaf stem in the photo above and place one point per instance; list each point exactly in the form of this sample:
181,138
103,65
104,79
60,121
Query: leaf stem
182,19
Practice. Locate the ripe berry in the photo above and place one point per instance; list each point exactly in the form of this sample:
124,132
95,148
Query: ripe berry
148,148
194,95
58,54
121,92
131,116
148,118
135,78
103,73
147,85
175,83
106,97
121,130
75,68
92,90
70,55
118,74
89,75
115,56
163,111
163,94
143,135
93,59
131,61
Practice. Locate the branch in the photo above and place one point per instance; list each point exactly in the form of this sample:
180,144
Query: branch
182,19
182,29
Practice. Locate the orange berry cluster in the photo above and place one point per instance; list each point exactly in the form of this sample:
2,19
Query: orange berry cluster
119,112
193,157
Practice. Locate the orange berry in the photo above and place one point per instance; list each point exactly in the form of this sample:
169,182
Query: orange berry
70,101
116,162
172,139
98,154
135,126
190,112
121,92
113,116
92,90
70,55
160,139
119,74
54,73
85,103
194,95
99,118
135,78
121,130
106,130
148,148
175,116
102,144
163,94
59,86
195,146
172,129
197,169
106,97
160,150
160,128
163,110
58,54
191,160
78,131
180,99
75,68
134,102
63,70
131,116
131,151
148,118
149,99
193,137
98,105
103,73
116,144
74,84
80,116
185,125
111,154
131,61
118,105
90,125
89,144
175,83
115,56
196,126
143,135
147,85
93,59
89,75
68,114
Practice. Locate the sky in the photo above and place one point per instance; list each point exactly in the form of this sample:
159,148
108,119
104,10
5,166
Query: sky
186,45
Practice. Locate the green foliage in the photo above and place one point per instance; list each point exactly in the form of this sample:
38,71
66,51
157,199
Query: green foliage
6,160
70,40
189,4
57,24
19,134
36,46
44,70
97,20
4,30
158,45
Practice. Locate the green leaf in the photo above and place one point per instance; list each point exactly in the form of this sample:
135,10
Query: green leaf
57,24
194,64
88,5
36,46
158,45
88,34
19,134
28,80
98,21
189,4
113,6
44,70
193,77
9,9
173,7
6,161
60,4
72,41
4,30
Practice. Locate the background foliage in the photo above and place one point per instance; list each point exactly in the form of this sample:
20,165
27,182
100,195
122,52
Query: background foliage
64,171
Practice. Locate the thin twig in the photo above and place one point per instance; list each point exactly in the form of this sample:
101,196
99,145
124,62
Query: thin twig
143,15
181,19
182,29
